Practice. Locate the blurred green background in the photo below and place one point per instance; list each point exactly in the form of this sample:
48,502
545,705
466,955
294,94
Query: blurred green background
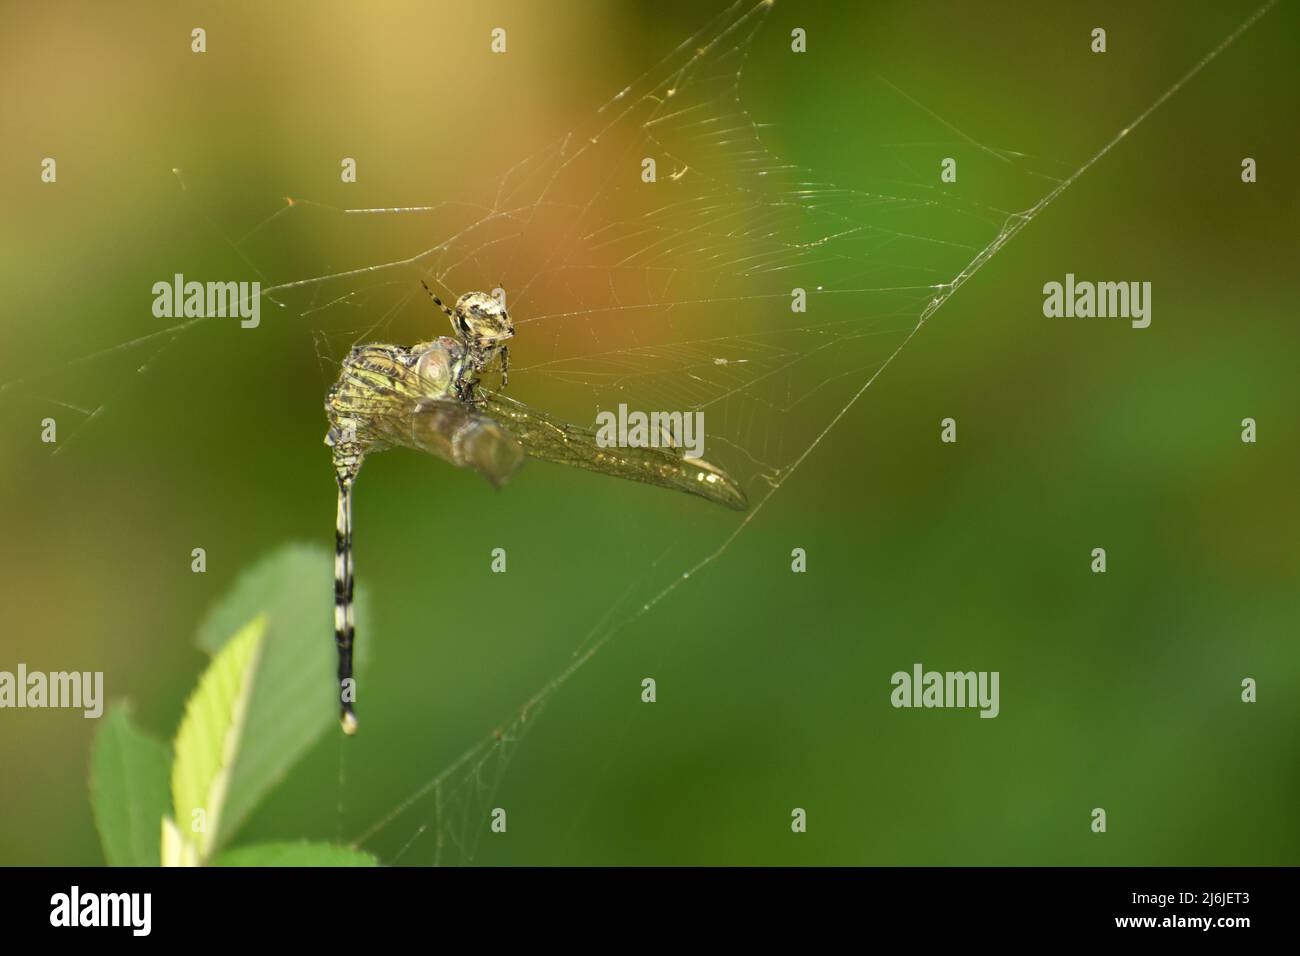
1119,691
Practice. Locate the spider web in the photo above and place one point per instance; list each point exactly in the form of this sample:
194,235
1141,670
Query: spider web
671,295
677,295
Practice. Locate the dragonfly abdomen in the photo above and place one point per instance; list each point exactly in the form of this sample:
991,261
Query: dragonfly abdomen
344,628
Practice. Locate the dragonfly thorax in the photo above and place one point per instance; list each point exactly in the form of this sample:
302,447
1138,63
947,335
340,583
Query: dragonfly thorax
449,369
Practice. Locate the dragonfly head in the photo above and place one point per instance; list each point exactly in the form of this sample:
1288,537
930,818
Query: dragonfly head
481,320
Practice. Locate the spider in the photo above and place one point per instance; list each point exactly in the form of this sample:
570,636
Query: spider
483,325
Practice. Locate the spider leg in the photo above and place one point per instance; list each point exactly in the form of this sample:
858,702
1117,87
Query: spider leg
438,301
505,365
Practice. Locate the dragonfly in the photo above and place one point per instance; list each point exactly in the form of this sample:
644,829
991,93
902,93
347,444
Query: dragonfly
429,397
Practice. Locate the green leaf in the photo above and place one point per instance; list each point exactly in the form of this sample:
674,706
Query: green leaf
295,698
128,790
295,854
177,850
211,734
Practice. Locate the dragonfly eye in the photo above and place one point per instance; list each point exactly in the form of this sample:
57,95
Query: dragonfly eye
434,367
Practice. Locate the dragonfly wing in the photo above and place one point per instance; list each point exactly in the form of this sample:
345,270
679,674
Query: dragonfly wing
460,435
390,404
548,439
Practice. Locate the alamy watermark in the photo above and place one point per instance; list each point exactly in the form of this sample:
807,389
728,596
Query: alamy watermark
75,908
922,688
77,690
206,300
624,429
1103,300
